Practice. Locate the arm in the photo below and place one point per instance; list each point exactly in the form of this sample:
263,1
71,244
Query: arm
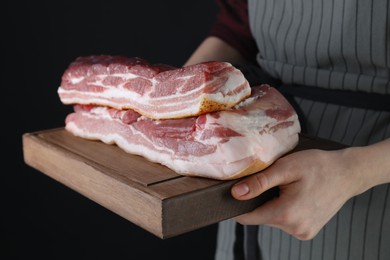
314,184
214,48
230,37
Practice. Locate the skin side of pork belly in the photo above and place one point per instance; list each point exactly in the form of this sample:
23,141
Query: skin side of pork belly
220,145
157,91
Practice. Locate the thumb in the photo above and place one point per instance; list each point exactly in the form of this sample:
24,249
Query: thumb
254,185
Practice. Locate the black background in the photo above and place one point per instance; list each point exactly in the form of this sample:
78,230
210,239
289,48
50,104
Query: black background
41,218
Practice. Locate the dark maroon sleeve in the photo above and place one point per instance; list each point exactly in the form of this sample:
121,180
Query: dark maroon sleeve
232,26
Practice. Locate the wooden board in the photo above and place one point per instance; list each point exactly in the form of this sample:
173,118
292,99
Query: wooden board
148,194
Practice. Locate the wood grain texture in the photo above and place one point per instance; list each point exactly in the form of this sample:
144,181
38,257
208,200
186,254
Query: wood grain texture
148,194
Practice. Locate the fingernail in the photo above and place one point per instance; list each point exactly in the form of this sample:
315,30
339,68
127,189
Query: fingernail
241,189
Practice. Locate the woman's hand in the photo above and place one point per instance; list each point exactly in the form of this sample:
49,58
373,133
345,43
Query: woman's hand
313,184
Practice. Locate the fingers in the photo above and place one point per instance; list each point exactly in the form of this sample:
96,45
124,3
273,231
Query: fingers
274,214
251,186
266,214
305,202
258,183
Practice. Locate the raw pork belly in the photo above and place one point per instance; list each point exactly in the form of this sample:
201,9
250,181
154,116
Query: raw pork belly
157,91
220,145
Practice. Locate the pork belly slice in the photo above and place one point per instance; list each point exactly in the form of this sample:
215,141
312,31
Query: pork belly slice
157,91
220,145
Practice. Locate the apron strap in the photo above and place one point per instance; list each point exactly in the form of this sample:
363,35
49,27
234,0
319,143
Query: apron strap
356,99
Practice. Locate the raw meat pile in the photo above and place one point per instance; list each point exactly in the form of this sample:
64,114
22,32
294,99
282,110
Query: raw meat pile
201,120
